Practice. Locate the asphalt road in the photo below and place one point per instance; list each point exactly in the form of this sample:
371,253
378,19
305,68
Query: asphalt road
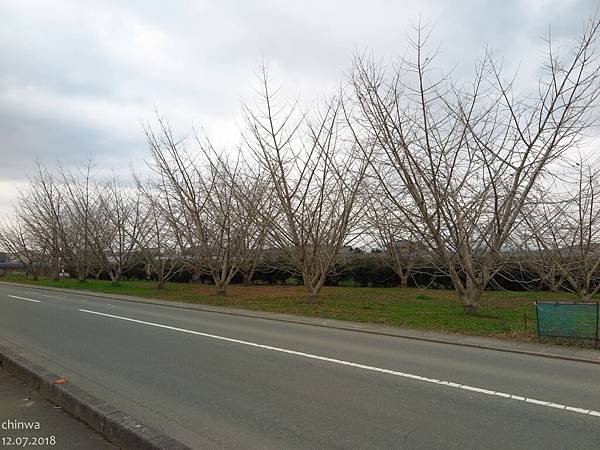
220,381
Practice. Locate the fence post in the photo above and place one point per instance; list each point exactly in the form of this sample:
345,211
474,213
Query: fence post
597,314
537,320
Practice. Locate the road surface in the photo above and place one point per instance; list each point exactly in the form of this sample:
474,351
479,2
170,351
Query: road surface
220,381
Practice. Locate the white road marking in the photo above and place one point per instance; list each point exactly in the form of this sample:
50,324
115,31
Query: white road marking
23,298
361,366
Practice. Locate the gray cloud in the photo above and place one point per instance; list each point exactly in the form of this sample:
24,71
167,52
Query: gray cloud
78,78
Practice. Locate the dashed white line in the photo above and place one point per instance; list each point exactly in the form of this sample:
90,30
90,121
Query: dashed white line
361,366
24,298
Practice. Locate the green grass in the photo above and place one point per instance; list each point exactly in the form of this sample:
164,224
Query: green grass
501,314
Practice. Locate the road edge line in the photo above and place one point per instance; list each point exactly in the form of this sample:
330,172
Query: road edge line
115,425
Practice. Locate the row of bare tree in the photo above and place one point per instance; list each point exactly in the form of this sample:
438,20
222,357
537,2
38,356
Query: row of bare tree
68,216
475,177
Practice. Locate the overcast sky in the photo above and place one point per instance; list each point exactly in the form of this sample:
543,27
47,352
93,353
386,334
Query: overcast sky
78,78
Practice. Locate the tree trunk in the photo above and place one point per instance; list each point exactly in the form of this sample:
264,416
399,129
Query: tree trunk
404,281
248,277
552,282
34,272
195,277
81,275
221,284
160,281
56,270
470,296
311,293
221,291
311,298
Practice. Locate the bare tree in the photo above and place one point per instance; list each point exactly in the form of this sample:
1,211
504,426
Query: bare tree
459,163
39,209
254,192
157,242
390,232
81,218
316,177
564,231
216,227
18,241
61,214
114,238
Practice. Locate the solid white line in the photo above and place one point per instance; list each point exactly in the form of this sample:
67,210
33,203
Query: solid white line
23,298
361,366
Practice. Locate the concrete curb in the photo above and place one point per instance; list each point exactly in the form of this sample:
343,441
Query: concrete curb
315,322
119,428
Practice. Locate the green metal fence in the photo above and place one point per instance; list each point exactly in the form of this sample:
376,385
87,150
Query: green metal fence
570,320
